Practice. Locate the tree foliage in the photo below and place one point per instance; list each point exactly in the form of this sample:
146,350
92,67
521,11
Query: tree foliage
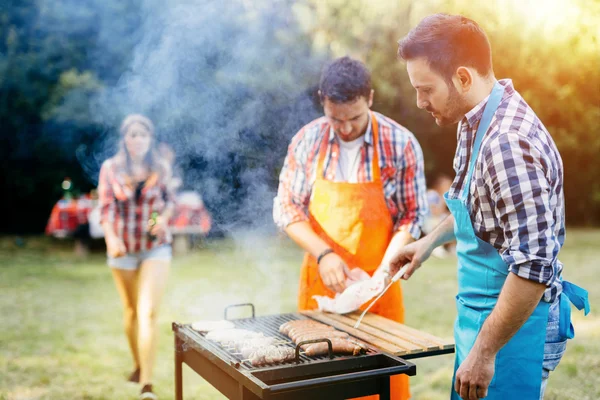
229,83
550,49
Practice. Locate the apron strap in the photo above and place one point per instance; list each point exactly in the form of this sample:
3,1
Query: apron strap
577,295
322,153
375,161
488,112
571,294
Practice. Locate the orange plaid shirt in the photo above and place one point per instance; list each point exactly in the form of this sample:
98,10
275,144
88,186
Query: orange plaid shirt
400,161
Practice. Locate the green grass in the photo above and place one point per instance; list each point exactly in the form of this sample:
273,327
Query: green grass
60,318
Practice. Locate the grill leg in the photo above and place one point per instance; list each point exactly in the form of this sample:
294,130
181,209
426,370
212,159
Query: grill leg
246,394
178,369
384,388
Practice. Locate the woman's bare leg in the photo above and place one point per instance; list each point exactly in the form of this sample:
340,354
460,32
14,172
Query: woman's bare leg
151,285
126,282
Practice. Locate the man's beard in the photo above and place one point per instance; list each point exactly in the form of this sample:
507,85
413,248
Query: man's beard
454,109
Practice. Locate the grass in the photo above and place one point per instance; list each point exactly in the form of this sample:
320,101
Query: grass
61,335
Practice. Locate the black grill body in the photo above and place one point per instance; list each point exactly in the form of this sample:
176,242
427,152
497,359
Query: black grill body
314,378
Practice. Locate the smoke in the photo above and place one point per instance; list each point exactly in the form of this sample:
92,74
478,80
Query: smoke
225,82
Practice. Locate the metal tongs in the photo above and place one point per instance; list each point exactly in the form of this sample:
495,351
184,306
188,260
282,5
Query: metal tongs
394,279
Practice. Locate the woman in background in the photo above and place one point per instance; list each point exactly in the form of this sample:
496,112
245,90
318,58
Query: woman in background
136,204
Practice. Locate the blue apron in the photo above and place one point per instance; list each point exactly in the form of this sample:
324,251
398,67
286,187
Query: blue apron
481,275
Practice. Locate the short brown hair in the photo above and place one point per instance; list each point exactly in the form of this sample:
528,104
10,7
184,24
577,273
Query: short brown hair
448,42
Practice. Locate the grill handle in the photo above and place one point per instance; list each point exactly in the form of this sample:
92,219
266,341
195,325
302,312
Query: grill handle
299,347
239,305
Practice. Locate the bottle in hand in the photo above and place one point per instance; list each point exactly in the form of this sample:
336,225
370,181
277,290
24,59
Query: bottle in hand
151,222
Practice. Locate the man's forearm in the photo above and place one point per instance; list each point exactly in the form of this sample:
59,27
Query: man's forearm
443,233
303,234
518,299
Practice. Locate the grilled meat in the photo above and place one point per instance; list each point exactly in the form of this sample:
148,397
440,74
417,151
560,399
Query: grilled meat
232,335
287,326
321,335
271,355
339,346
252,343
293,333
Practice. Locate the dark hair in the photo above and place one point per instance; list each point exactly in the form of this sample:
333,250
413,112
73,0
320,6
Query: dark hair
344,80
448,42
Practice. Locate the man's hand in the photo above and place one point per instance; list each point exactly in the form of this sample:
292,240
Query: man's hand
474,375
333,272
414,253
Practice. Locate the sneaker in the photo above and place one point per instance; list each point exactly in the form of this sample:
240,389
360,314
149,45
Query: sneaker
135,376
147,393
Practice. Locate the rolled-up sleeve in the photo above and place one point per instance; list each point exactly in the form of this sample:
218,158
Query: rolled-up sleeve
411,190
293,195
517,180
106,196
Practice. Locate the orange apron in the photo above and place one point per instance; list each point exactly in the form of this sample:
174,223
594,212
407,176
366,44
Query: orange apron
354,220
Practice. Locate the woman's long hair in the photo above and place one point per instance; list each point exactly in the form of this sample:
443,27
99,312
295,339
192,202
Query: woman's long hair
152,159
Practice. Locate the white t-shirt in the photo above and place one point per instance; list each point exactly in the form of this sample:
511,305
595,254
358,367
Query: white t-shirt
349,160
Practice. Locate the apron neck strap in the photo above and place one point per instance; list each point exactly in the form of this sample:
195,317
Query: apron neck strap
486,119
375,160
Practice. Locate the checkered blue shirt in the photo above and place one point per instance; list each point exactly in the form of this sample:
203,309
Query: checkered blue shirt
516,195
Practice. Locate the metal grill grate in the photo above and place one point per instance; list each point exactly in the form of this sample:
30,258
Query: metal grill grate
269,326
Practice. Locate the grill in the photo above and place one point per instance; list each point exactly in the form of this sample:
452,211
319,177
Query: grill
323,377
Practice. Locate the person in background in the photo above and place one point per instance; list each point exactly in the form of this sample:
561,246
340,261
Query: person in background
438,211
507,216
135,205
351,193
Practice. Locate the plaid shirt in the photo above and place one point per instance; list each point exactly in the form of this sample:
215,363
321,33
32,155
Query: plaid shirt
129,215
400,160
516,194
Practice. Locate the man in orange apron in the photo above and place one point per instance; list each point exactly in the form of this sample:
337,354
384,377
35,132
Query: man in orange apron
351,191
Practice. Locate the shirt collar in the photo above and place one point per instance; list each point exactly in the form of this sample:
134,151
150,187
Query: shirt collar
473,117
368,133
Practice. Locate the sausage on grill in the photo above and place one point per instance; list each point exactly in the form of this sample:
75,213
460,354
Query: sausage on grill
339,346
300,331
321,335
287,326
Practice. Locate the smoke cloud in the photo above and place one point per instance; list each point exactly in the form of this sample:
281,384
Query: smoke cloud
226,83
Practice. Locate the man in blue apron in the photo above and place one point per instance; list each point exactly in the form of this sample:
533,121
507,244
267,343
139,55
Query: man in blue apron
507,210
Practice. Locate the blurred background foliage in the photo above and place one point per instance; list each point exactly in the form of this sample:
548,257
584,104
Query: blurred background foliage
229,83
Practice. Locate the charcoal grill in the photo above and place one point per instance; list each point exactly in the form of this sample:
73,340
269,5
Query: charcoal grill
317,378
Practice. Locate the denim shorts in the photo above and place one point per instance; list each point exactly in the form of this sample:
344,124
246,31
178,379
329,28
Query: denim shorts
555,345
132,261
